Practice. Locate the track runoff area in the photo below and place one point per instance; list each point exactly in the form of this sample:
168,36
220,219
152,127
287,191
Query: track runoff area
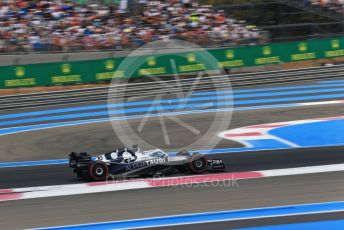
266,195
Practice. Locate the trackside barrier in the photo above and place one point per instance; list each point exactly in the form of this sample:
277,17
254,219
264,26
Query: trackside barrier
58,73
119,91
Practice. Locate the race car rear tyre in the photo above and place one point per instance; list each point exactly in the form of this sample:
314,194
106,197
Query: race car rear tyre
98,171
198,164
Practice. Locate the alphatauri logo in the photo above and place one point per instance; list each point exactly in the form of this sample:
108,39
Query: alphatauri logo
146,163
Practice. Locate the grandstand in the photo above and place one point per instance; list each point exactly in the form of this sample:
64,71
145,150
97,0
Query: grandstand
75,25
27,26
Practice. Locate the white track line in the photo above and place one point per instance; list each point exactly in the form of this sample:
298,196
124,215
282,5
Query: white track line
96,187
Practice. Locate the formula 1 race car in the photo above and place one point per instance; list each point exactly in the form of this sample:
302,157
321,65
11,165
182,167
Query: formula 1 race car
125,162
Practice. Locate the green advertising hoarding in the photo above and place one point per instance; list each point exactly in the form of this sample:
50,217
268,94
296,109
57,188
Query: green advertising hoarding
167,64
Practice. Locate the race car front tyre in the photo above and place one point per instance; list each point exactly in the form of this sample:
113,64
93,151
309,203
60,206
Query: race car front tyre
198,164
98,171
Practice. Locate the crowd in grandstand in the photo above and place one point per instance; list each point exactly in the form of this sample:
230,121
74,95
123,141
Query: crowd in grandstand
336,5
60,25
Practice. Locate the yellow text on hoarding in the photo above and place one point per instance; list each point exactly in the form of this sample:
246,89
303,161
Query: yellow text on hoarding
304,56
189,68
109,75
267,60
232,63
334,53
152,71
66,79
20,82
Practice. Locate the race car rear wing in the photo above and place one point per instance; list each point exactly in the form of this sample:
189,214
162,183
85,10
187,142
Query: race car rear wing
79,160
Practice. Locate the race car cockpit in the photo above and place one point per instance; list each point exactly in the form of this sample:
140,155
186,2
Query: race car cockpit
125,155
121,155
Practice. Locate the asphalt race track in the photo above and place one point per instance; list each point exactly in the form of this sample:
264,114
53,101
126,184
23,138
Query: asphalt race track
170,201
56,143
236,162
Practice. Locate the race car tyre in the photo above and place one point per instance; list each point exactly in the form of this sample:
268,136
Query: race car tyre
198,164
98,171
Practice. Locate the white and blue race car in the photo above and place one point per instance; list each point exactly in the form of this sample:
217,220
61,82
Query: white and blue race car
125,162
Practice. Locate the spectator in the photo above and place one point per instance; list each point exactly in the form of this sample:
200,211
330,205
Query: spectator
65,25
